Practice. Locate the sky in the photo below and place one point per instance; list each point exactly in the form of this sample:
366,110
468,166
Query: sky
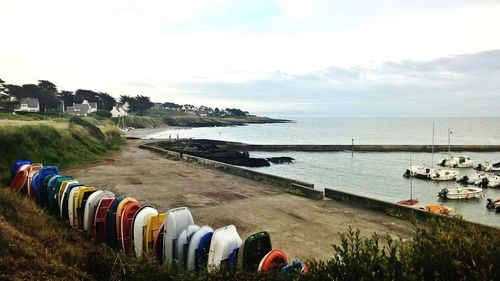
281,58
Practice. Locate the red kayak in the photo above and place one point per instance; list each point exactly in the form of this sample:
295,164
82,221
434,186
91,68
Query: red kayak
274,260
99,235
127,220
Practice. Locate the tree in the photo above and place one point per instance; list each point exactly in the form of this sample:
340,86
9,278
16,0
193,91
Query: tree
47,95
236,112
67,97
105,101
139,104
125,98
87,95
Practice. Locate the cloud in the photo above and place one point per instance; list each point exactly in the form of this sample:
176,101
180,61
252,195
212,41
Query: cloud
450,86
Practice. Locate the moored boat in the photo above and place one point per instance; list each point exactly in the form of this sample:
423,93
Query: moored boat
419,172
460,193
438,209
456,161
493,204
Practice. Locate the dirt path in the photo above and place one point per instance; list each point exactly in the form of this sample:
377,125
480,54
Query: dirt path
301,227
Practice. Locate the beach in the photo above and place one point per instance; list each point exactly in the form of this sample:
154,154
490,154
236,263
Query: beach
301,227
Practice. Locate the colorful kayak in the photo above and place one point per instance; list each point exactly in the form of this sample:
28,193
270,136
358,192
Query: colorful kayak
35,168
44,191
198,249
224,247
439,209
177,220
62,189
79,204
66,198
15,167
126,224
38,179
118,218
158,245
253,250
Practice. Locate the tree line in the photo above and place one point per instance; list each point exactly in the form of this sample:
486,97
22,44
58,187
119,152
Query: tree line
52,100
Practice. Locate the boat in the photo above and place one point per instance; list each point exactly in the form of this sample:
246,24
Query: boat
53,189
199,248
177,220
38,179
460,193
35,168
444,175
20,180
71,202
44,190
15,167
494,181
493,204
91,207
419,172
274,260
224,248
151,232
253,250
81,204
65,199
183,244
119,213
487,167
158,244
438,209
61,191
99,234
111,238
479,179
456,161
126,224
140,221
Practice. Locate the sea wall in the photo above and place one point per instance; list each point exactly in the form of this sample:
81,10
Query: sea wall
361,148
306,189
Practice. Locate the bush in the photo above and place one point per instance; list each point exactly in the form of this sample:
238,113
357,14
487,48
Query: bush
101,113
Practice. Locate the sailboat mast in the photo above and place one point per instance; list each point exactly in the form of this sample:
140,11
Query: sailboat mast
411,182
432,161
449,150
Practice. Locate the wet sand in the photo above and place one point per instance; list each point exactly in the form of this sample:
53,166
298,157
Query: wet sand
301,227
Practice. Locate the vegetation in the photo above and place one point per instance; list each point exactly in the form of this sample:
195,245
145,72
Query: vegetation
295,191
82,142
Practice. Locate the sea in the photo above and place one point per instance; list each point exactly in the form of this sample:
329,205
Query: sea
372,174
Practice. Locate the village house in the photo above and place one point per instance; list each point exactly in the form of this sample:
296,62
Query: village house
28,105
82,109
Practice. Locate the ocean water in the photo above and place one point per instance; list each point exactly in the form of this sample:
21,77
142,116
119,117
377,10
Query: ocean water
376,175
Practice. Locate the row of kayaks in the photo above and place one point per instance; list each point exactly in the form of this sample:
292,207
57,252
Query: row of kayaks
140,230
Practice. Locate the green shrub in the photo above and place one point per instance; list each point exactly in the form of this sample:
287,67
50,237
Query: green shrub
101,113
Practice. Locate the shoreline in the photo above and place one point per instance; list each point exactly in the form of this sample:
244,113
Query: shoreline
299,226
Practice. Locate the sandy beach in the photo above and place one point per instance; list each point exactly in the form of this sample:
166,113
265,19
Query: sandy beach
303,228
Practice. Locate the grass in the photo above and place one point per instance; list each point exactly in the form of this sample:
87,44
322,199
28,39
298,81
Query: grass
82,142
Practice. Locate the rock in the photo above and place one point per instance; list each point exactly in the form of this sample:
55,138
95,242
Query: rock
280,160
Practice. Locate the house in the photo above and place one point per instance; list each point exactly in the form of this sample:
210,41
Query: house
118,112
28,105
82,109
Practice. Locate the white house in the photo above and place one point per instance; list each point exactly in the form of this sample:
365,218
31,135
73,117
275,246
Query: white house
118,112
28,105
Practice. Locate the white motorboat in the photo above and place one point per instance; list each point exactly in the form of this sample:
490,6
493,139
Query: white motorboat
487,167
456,161
479,179
443,175
494,181
460,193
419,172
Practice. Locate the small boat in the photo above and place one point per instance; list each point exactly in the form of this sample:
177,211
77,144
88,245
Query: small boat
66,198
81,204
15,167
44,190
479,179
274,260
224,248
408,202
151,232
444,175
91,207
438,209
141,218
111,238
20,180
456,161
487,167
419,172
494,181
158,244
99,234
178,219
119,213
35,168
253,250
183,244
199,248
493,204
460,193
127,228
38,179
53,189
60,193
